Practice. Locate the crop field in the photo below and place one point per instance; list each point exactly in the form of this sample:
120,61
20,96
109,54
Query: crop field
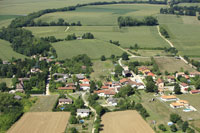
103,15
44,104
172,65
101,69
6,52
41,122
93,48
149,53
184,32
144,36
124,122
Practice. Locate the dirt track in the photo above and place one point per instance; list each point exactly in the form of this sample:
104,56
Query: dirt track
125,122
41,122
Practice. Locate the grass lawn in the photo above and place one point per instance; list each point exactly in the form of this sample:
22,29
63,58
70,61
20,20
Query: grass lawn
6,52
93,48
171,64
103,14
44,104
150,53
184,32
101,69
144,36
8,81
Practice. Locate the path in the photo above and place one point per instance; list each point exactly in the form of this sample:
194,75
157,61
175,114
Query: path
172,45
67,29
47,84
132,55
91,108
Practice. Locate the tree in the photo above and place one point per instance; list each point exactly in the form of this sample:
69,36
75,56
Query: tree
88,36
100,110
112,56
185,126
103,58
162,127
118,70
174,117
173,128
73,130
125,56
92,86
190,130
197,84
73,120
177,89
198,17
3,87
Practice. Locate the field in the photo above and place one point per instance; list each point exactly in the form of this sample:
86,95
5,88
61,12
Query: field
124,122
149,53
8,81
93,48
6,52
171,65
101,69
44,104
184,32
126,36
103,15
41,122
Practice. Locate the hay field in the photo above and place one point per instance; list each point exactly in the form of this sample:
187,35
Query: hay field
6,52
125,122
103,15
45,122
144,36
93,48
171,64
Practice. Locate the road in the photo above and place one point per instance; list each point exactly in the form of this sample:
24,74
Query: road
91,108
172,45
47,84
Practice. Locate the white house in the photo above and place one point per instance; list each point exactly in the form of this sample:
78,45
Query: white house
85,81
105,93
184,87
63,101
168,98
112,101
85,87
83,112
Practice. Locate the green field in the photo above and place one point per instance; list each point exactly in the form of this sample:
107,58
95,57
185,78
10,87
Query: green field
184,32
8,81
144,36
44,104
6,52
149,53
93,48
103,15
102,69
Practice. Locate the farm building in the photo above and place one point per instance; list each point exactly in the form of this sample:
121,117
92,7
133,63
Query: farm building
83,112
168,98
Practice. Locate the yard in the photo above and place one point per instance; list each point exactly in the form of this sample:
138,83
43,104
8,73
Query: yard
44,104
8,81
171,65
43,122
124,122
101,69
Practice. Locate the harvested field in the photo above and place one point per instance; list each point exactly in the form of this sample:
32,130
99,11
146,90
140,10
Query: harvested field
125,122
172,65
45,122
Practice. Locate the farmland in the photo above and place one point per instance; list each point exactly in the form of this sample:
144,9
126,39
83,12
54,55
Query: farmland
44,122
6,52
171,65
126,36
44,104
93,48
124,121
103,15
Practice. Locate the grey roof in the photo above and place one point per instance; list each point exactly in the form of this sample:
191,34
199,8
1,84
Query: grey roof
17,97
65,100
83,110
115,82
80,76
113,100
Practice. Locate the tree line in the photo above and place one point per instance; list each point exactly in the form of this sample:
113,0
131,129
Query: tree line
129,21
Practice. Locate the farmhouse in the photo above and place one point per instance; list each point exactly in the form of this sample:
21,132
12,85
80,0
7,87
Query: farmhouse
105,93
85,87
160,83
83,112
168,98
195,92
63,101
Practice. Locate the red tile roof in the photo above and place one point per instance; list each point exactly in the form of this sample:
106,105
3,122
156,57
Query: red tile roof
151,74
184,84
86,80
159,81
106,92
124,80
88,85
195,91
104,87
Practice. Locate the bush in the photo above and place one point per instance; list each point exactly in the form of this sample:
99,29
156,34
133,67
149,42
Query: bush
173,128
103,58
174,117
162,127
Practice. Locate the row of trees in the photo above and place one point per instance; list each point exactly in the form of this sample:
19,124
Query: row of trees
85,36
128,21
164,32
180,10
24,42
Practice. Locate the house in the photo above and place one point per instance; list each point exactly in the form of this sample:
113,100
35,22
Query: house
144,69
168,98
175,105
63,101
12,91
126,73
112,101
104,87
60,80
135,84
70,85
105,93
17,97
85,87
83,112
195,92
80,76
70,88
180,74
160,83
151,74
19,87
171,79
64,76
124,81
5,62
184,87
35,70
194,74
186,103
85,81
